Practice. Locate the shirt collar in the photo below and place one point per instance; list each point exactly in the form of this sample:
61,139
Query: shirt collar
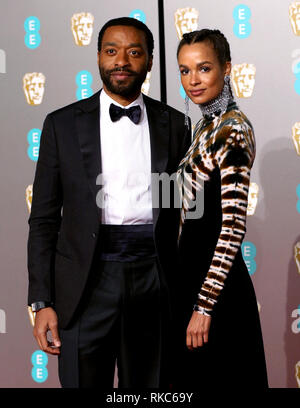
106,100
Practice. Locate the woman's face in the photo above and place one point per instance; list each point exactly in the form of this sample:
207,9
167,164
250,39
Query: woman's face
202,76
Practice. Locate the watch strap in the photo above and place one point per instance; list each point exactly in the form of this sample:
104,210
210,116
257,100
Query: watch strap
36,306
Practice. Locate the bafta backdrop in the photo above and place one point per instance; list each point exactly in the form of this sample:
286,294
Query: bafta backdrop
48,59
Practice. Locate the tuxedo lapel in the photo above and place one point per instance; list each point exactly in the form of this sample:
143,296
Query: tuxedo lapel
158,119
87,122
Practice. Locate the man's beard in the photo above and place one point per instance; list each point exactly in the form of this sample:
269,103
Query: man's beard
119,88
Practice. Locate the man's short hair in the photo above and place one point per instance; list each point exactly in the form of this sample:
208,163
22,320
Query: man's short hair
131,22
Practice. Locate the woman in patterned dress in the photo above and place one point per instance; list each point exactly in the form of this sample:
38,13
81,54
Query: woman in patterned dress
220,341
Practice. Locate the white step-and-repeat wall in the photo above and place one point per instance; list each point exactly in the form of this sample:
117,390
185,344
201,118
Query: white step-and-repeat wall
48,59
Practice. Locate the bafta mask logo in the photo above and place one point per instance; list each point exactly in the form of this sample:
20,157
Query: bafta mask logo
296,137
243,79
297,255
28,197
294,12
138,14
297,373
186,20
34,87
146,84
82,28
249,253
252,198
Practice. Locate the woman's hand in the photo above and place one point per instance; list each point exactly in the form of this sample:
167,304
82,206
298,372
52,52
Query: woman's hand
197,331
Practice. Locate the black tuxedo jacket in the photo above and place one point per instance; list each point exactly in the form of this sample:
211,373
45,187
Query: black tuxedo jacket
65,219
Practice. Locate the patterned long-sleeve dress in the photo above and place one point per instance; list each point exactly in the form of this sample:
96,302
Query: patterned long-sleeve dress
215,280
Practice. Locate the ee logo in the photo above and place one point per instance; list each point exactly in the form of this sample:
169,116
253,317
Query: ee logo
32,37
84,80
182,92
33,138
298,195
39,370
138,15
296,69
249,253
241,15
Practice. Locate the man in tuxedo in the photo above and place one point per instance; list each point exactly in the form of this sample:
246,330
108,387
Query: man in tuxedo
100,255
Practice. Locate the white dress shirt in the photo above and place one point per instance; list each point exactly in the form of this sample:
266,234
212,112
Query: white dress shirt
126,166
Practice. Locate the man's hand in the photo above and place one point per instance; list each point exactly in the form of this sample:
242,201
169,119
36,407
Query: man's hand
197,331
45,320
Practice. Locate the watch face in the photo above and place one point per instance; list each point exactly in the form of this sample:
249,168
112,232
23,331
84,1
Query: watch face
37,306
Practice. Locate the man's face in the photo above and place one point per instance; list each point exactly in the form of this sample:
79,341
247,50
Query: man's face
298,20
186,20
297,255
295,17
123,60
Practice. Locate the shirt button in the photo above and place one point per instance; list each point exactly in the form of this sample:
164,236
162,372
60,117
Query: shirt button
94,235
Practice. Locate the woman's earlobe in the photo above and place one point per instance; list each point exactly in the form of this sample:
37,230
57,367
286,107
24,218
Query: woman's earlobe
228,68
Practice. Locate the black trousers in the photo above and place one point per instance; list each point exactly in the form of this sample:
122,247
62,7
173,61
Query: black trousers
120,320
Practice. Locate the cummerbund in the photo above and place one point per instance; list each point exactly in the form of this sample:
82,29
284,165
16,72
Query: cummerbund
126,243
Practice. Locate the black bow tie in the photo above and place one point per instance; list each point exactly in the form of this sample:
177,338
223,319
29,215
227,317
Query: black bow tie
134,113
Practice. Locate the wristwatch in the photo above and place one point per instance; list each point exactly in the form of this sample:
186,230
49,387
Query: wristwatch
36,306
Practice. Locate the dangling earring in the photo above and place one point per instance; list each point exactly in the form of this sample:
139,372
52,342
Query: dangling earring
227,85
187,108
